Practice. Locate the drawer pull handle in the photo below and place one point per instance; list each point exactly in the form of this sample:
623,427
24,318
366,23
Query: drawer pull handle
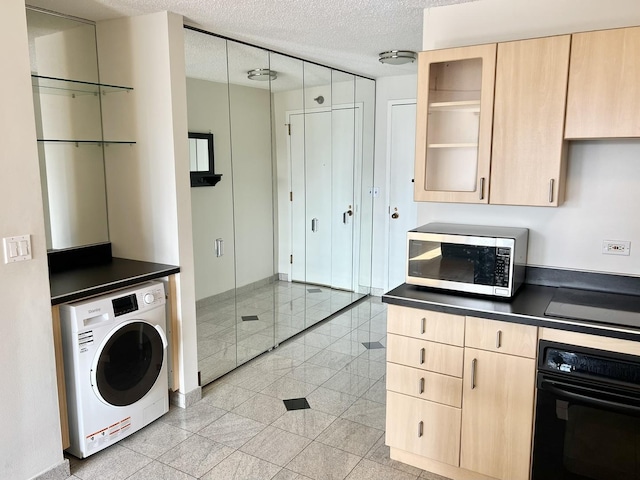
551,191
420,428
421,356
423,327
474,363
498,338
421,386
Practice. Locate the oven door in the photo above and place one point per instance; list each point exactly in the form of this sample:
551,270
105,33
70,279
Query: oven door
585,431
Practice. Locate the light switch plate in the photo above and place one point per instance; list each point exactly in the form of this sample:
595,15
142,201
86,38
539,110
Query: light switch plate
17,248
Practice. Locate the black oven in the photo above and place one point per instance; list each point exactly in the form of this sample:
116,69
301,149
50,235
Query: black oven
587,422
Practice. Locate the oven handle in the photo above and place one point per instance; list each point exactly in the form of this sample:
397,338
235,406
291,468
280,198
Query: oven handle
552,387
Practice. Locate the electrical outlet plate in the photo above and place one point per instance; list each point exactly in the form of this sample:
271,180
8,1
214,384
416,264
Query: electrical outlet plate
616,247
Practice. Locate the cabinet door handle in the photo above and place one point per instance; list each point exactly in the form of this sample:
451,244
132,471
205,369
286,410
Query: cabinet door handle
481,188
421,356
420,428
551,190
423,326
421,386
474,363
219,247
498,338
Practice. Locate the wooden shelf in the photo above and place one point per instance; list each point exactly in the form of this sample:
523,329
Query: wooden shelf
460,106
452,145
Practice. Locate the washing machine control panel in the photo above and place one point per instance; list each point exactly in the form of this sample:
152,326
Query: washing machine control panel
124,305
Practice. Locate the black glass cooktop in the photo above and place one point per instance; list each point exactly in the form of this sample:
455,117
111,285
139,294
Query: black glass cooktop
608,308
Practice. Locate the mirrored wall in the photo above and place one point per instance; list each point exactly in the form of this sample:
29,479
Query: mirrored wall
283,240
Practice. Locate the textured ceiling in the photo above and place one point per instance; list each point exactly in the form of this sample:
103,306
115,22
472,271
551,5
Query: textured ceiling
344,34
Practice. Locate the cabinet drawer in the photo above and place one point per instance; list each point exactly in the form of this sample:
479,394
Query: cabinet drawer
435,357
501,337
426,385
433,326
425,428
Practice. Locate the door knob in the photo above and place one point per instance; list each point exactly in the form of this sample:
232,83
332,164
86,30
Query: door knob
395,215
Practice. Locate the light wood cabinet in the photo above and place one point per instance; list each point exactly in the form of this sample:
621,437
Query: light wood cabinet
507,149
490,436
435,357
497,414
453,124
425,428
433,326
501,337
528,159
423,384
604,84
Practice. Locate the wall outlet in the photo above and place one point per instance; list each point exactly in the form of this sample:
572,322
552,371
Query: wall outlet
616,247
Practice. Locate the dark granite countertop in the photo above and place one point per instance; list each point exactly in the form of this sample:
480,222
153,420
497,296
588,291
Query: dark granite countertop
85,282
531,302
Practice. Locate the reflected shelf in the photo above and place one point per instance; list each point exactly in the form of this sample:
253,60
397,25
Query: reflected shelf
62,86
88,142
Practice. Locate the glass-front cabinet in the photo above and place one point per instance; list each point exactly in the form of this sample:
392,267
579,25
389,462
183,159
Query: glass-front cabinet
454,122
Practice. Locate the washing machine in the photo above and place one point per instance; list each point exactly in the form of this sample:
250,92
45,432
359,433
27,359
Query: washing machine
115,365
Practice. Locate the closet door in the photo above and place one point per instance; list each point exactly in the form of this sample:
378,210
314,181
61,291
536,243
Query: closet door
212,209
253,200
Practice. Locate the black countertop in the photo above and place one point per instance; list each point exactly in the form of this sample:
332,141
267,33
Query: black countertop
120,272
528,306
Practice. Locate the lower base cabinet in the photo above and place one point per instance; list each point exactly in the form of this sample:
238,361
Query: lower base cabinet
497,414
425,428
490,437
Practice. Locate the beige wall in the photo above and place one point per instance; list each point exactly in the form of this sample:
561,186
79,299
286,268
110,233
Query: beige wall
603,176
148,188
30,443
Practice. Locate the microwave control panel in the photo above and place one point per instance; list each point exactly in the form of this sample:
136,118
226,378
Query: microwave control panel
503,264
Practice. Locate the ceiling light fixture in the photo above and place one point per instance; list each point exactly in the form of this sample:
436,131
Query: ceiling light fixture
398,57
262,74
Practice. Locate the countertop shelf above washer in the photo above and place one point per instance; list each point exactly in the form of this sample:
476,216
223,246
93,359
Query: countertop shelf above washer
85,282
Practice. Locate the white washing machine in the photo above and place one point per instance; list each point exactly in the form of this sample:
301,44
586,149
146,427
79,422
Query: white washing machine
115,365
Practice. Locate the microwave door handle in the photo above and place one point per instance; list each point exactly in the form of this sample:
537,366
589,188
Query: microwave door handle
553,387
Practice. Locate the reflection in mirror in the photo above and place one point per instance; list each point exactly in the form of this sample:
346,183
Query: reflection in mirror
67,105
250,115
288,108
212,208
200,152
292,215
201,161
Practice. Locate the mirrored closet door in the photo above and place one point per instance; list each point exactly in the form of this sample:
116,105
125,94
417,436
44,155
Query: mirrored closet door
283,240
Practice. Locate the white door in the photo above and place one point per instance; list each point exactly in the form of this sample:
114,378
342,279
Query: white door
323,145
345,149
402,210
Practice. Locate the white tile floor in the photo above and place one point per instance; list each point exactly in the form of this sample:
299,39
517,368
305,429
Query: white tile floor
241,429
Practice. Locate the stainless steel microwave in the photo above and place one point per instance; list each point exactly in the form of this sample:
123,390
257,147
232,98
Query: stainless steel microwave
467,258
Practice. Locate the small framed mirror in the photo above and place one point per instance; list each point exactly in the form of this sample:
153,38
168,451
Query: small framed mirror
201,160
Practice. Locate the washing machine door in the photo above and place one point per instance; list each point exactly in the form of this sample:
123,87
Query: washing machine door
128,362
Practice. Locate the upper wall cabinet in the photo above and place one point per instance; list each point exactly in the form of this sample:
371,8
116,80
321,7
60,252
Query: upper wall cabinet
528,156
604,84
454,118
455,159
